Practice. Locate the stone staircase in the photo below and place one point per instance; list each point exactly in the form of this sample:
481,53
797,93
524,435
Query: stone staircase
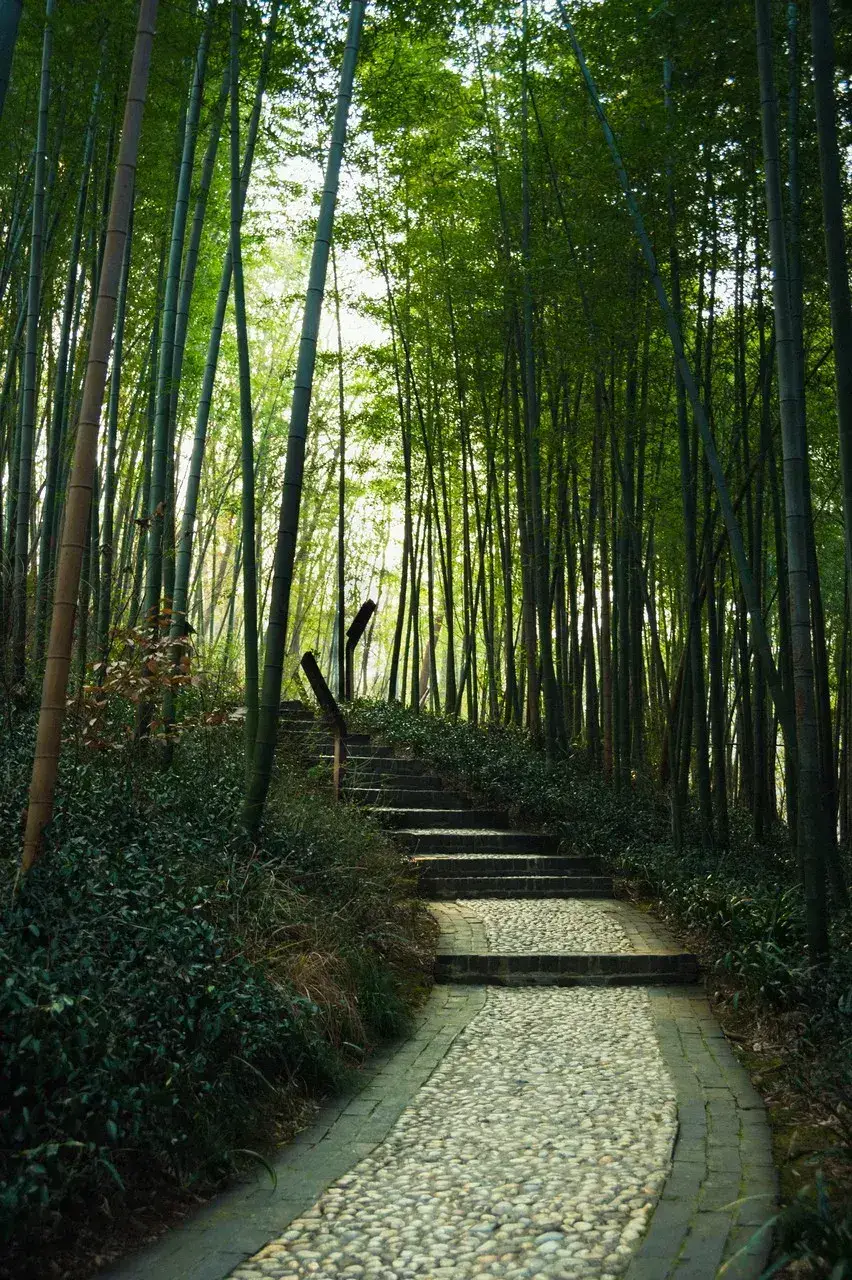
545,918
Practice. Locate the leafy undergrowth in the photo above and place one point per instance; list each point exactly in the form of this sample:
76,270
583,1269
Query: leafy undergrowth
172,998
742,911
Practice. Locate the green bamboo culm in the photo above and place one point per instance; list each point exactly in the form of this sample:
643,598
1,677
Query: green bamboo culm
696,656
246,423
28,390
162,425
10,16
811,834
831,181
178,619
288,525
183,554
759,633
60,407
83,469
104,603
553,727
190,261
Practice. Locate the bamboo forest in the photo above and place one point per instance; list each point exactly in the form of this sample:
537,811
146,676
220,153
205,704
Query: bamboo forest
425,639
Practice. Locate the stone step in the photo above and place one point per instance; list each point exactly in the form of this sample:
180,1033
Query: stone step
454,819
447,865
359,747
568,970
406,798
450,888
385,784
424,841
310,757
357,744
363,749
316,748
371,767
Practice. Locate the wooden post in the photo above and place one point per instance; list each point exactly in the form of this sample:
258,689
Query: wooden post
353,635
339,762
333,715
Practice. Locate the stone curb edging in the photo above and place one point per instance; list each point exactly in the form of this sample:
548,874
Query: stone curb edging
568,970
722,1186
237,1224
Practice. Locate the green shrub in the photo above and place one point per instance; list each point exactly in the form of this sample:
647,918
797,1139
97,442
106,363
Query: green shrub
165,986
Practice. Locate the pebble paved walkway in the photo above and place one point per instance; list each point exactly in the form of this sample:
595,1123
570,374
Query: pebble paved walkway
527,926
538,1148
536,926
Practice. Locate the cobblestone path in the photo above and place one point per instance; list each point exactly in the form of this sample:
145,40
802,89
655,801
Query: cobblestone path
567,1107
506,1163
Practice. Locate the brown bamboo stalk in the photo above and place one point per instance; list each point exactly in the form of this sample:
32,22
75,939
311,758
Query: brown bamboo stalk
54,688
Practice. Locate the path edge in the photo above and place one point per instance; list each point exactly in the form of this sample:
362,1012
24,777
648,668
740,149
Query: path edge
240,1222
722,1186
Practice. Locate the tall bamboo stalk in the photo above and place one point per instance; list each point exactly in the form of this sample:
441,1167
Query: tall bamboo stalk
285,549
810,829
246,420
341,492
184,547
54,689
60,407
28,390
163,423
759,632
822,44
540,577
10,16
107,539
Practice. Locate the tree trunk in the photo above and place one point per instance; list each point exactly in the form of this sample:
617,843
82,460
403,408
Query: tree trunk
60,405
190,262
540,576
341,496
107,548
183,553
